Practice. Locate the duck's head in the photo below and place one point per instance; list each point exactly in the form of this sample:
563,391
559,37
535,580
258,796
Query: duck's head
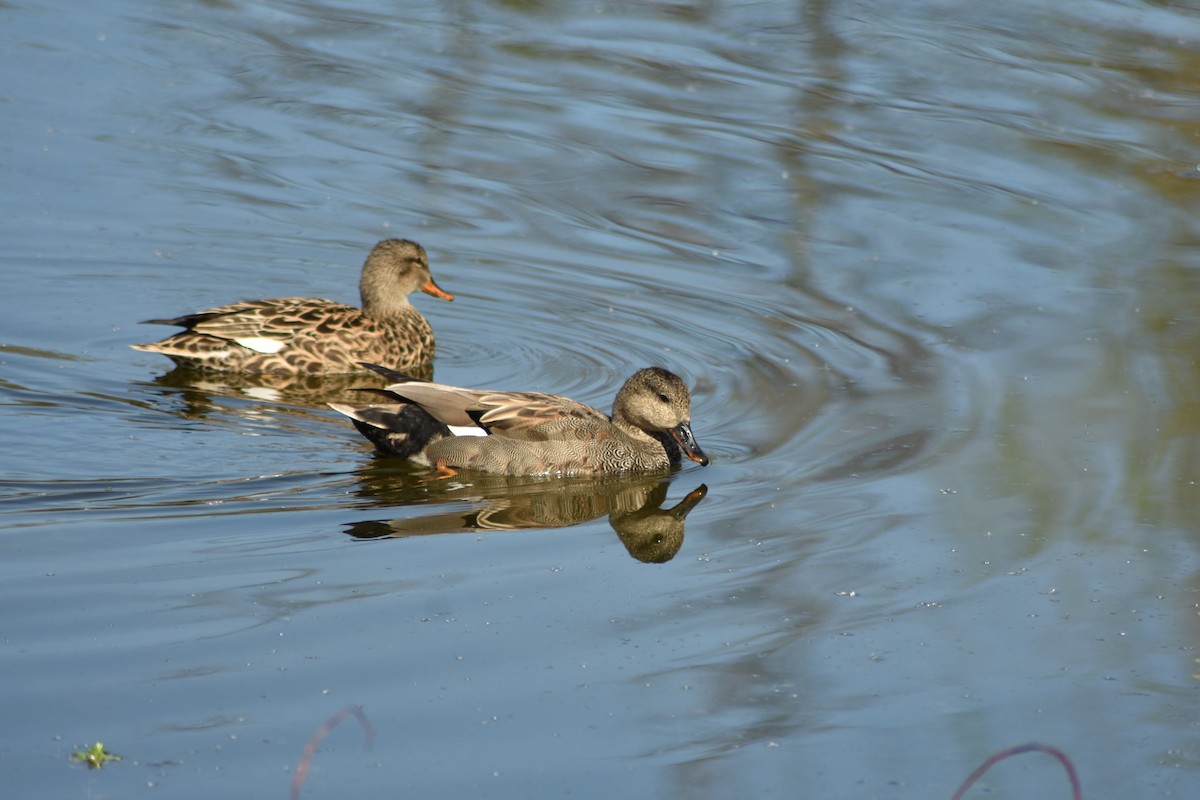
395,269
657,402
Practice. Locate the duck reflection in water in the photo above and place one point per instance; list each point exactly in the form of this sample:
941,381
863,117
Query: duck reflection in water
200,390
634,505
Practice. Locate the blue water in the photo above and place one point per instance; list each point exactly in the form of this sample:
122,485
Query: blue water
931,272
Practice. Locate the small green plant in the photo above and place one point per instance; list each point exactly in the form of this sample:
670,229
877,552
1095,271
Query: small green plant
95,756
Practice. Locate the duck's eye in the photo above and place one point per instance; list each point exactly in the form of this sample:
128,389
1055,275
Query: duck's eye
663,397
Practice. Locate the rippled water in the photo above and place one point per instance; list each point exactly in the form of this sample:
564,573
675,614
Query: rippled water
932,271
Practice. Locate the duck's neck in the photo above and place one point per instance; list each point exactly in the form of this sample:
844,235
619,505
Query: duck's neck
635,433
383,305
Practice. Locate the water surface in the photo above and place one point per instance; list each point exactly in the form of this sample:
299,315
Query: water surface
932,272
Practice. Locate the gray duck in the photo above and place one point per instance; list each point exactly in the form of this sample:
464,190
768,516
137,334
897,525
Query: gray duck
531,433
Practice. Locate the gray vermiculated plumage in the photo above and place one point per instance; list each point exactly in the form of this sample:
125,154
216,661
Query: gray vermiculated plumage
532,433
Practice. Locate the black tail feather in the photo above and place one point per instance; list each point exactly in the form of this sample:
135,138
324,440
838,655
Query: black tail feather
392,375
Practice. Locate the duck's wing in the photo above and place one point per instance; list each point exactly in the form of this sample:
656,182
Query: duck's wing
517,415
250,308
267,326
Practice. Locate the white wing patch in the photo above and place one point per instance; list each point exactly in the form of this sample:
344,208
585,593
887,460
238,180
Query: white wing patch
263,393
261,345
467,430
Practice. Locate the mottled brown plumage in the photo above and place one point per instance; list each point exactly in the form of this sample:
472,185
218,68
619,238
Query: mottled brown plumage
531,433
309,335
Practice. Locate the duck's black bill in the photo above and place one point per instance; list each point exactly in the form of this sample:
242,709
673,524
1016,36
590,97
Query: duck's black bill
682,434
